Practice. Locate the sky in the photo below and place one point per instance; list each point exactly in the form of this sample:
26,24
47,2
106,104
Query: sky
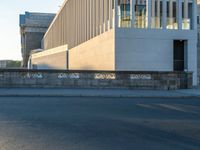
10,47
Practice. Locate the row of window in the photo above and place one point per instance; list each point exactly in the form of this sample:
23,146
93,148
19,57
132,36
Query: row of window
141,16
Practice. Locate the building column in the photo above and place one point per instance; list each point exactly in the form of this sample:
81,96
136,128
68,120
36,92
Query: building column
194,15
117,14
186,9
153,14
149,11
171,14
164,14
185,13
132,13
179,14
158,14
113,13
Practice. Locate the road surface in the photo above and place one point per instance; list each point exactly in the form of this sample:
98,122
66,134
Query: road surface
82,123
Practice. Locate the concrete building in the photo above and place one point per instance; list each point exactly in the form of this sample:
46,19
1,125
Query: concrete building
198,38
32,28
122,35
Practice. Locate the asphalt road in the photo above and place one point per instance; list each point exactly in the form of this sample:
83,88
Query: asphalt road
55,123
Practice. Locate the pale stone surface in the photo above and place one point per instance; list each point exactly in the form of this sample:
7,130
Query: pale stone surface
55,58
95,54
152,50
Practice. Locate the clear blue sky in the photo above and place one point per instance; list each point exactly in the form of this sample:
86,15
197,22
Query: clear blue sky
9,23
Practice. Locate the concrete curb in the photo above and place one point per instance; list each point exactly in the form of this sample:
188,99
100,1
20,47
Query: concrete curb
104,93
102,96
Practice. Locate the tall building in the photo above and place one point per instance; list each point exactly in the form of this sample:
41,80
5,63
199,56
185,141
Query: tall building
122,35
32,28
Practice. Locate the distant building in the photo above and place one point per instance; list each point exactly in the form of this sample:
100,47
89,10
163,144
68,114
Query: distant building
122,35
32,28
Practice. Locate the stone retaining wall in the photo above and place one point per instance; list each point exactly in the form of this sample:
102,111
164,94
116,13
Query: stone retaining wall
95,79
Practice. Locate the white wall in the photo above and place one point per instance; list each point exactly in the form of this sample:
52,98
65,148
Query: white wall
95,54
55,58
152,50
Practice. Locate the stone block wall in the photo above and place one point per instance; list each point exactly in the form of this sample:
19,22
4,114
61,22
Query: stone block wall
95,79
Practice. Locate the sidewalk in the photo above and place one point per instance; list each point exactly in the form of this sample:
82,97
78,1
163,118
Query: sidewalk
57,92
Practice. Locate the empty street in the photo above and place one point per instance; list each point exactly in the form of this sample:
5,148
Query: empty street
82,123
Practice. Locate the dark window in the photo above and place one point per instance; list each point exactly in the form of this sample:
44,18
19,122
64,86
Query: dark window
179,48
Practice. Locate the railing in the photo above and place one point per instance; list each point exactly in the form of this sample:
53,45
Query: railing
95,79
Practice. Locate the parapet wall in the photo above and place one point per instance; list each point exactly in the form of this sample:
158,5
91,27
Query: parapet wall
95,79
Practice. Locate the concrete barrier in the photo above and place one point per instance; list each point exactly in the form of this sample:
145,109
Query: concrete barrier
95,79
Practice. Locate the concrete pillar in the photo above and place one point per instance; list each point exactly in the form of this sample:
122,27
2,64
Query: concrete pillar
117,13
104,12
149,11
153,14
110,13
179,13
185,9
158,14
185,14
171,14
133,13
113,14
194,15
164,17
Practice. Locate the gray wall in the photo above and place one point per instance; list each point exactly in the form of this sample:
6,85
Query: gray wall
33,41
152,50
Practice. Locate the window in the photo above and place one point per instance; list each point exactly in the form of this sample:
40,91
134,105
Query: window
140,15
124,13
172,15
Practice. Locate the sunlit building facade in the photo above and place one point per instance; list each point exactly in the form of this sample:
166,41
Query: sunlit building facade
164,14
123,35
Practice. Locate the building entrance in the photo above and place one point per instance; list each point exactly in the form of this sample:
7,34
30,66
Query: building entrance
179,54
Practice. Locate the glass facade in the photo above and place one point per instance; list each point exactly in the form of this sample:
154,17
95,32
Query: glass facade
140,14
124,11
172,15
134,14
156,16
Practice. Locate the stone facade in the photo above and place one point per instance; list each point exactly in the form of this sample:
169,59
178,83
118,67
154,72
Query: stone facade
32,28
95,79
